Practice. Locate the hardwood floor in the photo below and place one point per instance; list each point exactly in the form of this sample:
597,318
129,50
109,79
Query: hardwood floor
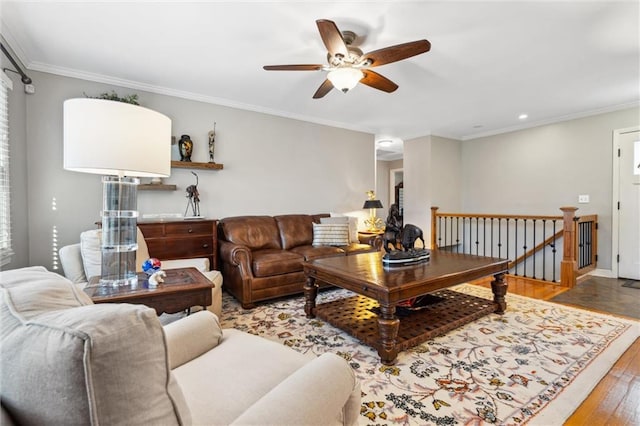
616,399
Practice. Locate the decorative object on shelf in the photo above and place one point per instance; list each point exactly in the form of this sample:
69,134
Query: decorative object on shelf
193,198
409,254
151,266
393,228
157,278
122,141
212,143
374,224
113,96
185,146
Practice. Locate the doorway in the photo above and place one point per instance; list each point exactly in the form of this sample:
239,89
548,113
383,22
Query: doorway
396,189
625,253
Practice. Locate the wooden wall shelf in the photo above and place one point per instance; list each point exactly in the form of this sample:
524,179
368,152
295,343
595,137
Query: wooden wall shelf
156,187
193,165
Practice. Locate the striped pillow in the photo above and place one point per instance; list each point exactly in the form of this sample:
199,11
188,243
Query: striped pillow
330,234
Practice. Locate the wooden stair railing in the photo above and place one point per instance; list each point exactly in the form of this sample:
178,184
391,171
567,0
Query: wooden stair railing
579,256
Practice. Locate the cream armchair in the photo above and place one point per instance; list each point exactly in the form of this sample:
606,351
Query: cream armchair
82,260
67,361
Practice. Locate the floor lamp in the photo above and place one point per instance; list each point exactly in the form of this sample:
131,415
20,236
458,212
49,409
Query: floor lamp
122,142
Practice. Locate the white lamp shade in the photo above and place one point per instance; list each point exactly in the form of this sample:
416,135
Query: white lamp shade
345,79
116,138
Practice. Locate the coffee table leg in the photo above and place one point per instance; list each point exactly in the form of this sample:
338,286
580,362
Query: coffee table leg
310,293
499,289
388,326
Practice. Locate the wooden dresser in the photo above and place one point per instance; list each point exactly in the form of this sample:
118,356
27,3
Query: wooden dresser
183,239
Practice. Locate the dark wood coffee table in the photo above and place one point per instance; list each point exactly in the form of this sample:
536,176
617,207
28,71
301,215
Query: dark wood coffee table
182,289
371,315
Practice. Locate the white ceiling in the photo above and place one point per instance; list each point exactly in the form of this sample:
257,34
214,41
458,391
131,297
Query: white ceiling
490,61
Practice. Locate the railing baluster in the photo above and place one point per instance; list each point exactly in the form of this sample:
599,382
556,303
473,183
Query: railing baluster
554,251
544,251
499,238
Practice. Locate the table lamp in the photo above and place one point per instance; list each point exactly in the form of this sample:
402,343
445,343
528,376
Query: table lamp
122,142
373,223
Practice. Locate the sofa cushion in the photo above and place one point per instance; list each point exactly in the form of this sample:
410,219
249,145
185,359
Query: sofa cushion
295,230
245,359
271,262
67,361
316,252
330,234
255,232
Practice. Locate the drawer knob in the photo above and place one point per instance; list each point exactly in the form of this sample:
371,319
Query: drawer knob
190,230
205,245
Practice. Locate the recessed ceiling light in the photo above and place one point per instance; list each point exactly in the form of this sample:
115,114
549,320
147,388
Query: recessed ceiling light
523,116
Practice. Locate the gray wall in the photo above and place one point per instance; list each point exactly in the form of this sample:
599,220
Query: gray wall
539,170
272,165
18,171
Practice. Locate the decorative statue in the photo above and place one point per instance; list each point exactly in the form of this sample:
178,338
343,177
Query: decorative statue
409,235
212,142
409,254
185,146
393,228
193,198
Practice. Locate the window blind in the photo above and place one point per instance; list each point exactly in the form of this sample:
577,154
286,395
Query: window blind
5,185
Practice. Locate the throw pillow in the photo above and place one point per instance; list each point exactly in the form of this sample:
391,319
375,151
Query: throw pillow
330,234
350,220
91,249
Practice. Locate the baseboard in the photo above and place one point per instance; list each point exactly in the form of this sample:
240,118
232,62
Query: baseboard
606,273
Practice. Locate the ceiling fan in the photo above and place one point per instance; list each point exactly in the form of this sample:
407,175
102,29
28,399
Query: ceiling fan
348,65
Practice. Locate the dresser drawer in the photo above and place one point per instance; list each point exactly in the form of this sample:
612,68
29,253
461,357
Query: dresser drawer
152,230
178,248
188,228
182,240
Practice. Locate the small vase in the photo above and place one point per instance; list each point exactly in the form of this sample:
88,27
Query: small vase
185,146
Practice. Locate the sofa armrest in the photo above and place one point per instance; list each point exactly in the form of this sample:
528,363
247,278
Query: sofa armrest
236,255
190,337
200,263
325,391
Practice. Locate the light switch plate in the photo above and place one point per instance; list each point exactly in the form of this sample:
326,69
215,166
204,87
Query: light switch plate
583,198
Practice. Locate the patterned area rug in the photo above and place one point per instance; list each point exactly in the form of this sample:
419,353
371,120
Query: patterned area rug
535,364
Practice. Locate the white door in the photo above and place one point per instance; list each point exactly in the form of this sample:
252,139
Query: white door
629,207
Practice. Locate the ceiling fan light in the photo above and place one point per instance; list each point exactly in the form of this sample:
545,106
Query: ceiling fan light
345,79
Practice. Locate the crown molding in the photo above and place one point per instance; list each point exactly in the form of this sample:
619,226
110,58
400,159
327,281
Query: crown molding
101,78
554,120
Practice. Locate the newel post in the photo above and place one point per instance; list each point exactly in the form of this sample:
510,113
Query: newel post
434,245
569,265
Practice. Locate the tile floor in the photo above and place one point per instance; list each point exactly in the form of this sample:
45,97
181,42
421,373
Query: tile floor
604,294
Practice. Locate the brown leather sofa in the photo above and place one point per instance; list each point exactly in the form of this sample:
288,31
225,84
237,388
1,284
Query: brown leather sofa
261,256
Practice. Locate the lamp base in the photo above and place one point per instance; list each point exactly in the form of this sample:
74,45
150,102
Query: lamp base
119,231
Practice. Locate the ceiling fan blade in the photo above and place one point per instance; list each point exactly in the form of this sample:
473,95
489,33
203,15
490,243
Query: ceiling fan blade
303,67
396,53
324,88
375,80
332,37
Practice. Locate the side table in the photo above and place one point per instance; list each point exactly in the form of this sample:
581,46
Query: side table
181,289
